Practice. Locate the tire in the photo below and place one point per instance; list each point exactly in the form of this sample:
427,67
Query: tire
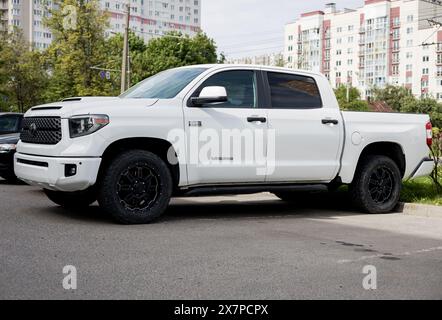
136,187
377,185
73,200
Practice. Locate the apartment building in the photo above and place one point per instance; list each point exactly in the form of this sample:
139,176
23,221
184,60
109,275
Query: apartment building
27,15
274,60
383,42
149,18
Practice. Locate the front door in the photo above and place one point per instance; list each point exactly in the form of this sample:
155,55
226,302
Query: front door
226,142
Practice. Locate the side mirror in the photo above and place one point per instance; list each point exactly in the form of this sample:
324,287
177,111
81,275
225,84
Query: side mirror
210,95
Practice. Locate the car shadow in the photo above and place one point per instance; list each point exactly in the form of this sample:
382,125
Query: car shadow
12,183
90,214
319,206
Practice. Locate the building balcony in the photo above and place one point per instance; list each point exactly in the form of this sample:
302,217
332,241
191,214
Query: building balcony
439,47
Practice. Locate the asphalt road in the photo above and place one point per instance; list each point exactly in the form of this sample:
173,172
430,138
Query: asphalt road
239,247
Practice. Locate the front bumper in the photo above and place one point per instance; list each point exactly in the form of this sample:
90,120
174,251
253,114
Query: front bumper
425,168
49,172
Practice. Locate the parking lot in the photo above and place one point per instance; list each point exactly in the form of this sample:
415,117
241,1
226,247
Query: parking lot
239,247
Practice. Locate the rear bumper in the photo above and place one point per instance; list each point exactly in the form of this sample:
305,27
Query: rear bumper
49,172
425,168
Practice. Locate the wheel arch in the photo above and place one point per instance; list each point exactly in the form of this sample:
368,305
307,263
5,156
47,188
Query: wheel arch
393,150
160,147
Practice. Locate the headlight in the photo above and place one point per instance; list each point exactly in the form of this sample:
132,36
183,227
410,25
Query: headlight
4,148
86,124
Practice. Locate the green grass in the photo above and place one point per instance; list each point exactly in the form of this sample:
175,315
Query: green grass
421,190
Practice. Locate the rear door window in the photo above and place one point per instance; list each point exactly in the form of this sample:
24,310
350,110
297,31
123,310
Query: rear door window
290,91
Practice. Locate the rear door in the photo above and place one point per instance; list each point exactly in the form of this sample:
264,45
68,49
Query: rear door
304,132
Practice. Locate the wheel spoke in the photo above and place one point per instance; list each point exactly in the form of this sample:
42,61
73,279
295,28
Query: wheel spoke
124,187
380,185
138,187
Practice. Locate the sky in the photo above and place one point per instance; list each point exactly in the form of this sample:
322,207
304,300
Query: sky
243,28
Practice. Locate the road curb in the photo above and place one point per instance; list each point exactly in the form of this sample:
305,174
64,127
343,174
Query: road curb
421,210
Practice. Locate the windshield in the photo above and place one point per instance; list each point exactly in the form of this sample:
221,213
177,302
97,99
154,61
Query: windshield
164,85
9,124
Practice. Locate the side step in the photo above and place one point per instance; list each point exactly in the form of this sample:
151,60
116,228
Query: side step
249,189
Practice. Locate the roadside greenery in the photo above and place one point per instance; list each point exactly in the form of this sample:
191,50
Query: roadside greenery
421,190
22,77
349,99
76,62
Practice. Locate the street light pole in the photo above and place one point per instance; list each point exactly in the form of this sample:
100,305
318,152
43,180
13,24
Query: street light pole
125,60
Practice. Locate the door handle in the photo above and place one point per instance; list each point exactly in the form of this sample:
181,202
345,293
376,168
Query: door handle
330,121
257,119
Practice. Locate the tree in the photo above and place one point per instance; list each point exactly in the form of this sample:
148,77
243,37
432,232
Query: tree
424,105
78,29
354,102
22,76
114,49
392,95
176,50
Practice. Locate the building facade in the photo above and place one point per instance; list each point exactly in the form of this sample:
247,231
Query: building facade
153,18
149,18
273,60
384,42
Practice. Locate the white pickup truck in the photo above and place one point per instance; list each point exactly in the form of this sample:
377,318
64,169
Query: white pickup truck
218,129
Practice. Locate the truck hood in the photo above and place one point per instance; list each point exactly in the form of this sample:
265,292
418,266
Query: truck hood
87,105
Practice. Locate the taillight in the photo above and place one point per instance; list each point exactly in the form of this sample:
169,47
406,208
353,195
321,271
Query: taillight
429,129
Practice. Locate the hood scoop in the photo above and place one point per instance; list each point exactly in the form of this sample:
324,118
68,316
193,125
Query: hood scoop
45,108
87,99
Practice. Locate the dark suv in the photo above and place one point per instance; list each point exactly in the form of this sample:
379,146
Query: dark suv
10,126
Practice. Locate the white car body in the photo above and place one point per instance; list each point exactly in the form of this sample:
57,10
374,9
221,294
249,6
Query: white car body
306,150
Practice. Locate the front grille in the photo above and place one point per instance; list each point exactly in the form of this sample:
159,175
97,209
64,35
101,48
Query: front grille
41,130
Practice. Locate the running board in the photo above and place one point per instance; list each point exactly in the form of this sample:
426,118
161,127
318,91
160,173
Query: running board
245,189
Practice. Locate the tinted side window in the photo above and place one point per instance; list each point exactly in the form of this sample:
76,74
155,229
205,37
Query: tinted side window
240,86
289,91
9,124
